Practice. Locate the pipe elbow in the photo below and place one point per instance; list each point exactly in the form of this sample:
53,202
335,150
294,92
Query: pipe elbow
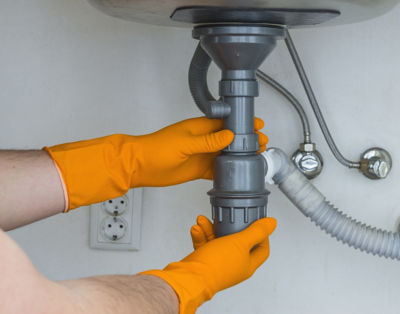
198,70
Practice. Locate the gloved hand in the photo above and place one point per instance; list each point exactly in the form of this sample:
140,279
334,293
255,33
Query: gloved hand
216,264
95,170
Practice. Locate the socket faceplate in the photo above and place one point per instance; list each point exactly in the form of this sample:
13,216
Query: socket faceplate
105,223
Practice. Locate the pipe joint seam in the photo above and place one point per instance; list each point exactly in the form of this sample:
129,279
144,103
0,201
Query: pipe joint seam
232,88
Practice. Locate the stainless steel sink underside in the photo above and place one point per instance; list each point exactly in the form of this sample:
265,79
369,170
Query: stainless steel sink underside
164,12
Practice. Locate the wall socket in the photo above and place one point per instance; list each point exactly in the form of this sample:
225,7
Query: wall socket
115,224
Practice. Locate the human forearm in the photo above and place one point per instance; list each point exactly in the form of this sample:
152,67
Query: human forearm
120,294
124,294
30,188
24,290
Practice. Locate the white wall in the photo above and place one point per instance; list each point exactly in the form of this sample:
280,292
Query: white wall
68,72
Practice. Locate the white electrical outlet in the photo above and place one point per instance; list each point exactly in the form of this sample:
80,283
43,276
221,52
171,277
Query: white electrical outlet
116,206
116,224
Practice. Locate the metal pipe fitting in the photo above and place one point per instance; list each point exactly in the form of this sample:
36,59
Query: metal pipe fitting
308,160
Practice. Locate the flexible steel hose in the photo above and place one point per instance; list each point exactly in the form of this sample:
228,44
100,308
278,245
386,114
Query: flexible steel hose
293,100
314,104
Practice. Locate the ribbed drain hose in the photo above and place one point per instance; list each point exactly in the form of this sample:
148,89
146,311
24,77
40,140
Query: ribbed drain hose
313,204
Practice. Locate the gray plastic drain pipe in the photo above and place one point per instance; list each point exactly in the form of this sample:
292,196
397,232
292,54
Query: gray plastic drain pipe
313,204
198,79
238,197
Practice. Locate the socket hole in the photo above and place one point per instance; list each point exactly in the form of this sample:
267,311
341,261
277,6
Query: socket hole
122,202
110,201
121,226
109,226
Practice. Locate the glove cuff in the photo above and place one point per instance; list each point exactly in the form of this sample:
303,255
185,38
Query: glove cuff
64,186
95,170
188,287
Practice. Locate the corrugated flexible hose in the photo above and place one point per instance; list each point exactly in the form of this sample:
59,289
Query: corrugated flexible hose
313,204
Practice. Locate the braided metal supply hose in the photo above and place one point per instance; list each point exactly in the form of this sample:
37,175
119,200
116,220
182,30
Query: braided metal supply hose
315,106
313,204
293,100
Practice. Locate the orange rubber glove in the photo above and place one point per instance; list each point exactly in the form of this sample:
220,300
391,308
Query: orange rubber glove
216,264
95,170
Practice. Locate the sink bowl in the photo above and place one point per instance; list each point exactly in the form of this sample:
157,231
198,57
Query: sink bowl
159,12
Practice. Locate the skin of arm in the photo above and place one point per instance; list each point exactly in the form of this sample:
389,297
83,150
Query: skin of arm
33,175
24,290
30,188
